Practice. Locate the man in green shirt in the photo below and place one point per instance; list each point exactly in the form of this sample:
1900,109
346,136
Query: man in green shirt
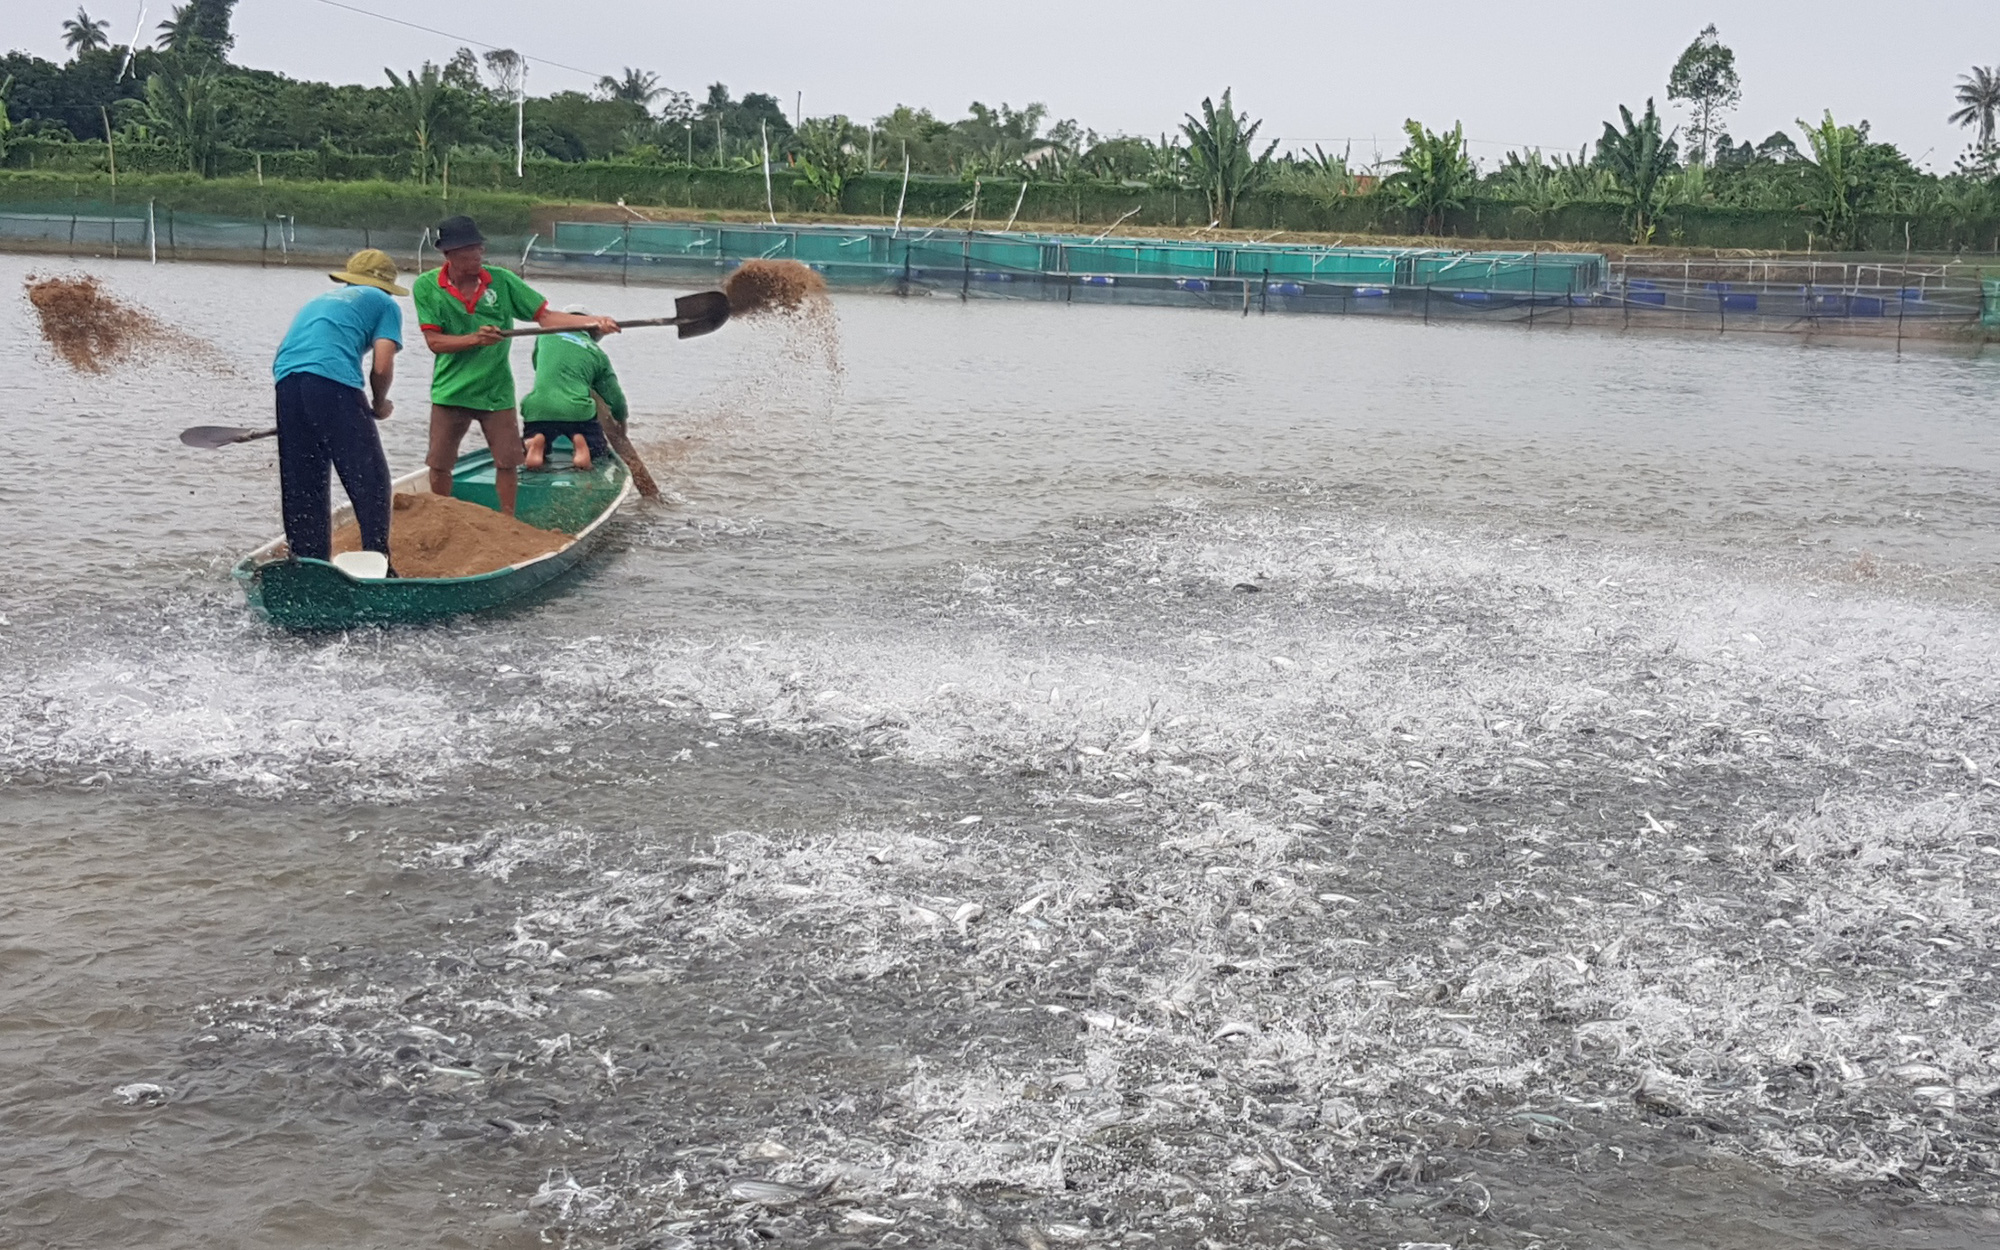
463,306
571,374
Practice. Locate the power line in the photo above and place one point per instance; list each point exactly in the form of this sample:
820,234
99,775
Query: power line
432,30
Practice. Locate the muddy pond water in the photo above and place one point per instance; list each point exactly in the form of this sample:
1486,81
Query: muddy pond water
1048,776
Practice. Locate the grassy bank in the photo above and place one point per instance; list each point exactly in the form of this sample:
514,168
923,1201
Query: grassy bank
353,205
511,206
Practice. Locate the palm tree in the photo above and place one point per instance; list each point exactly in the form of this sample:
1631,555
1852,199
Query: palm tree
1219,154
636,86
179,32
82,34
1979,93
1638,158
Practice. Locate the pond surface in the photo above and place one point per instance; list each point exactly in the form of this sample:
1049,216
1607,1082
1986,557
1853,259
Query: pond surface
1050,775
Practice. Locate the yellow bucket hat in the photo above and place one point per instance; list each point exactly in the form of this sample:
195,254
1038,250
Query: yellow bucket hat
370,266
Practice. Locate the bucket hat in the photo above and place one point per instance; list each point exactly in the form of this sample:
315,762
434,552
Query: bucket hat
370,266
456,232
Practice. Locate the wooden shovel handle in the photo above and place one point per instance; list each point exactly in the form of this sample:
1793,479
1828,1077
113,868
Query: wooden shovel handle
614,433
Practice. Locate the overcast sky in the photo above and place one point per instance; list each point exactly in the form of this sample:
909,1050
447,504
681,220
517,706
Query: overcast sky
1545,75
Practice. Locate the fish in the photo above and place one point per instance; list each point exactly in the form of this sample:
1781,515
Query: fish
141,1094
773,1193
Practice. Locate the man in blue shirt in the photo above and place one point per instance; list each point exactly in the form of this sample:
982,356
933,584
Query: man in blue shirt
326,424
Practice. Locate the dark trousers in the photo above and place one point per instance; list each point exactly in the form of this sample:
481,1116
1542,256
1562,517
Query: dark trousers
326,428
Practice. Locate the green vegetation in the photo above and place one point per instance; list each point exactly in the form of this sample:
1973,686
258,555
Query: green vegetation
1221,156
1433,173
1705,78
1978,96
1639,159
469,124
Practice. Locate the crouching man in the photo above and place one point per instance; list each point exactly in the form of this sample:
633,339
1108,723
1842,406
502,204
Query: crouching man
571,373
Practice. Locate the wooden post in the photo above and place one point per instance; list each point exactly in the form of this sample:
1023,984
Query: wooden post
1901,283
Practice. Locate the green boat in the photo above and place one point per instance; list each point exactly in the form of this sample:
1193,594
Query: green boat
317,595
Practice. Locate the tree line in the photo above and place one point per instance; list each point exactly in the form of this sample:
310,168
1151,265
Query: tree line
183,93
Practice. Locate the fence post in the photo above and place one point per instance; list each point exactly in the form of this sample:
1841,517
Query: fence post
965,283
264,252
625,261
1264,299
173,247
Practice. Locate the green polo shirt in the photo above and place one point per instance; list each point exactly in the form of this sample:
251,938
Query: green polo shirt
568,367
481,379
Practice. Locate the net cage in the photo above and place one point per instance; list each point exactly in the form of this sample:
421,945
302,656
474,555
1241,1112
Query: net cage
986,264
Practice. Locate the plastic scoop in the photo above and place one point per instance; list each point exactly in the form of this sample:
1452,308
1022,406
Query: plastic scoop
367,566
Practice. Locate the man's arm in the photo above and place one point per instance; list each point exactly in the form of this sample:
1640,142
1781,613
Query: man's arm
549,318
605,384
381,373
443,344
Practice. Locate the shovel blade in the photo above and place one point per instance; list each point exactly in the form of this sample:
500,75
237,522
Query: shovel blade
213,436
701,313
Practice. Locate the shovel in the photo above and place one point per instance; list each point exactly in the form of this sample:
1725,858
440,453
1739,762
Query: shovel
696,315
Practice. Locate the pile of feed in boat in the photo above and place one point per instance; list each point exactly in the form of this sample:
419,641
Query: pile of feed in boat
438,536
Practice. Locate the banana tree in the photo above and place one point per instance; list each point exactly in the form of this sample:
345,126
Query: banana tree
423,102
181,106
1433,173
1639,157
827,159
1220,156
1834,174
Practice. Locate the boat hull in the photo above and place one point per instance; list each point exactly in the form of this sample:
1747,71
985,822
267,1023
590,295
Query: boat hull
310,595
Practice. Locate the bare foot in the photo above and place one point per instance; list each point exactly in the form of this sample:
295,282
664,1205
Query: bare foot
580,458
537,451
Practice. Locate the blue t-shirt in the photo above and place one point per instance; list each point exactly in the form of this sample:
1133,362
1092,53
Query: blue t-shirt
333,330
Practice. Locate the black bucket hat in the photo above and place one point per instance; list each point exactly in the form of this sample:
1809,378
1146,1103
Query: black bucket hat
456,232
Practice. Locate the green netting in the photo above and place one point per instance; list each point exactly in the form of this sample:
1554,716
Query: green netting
865,253
1318,264
1989,315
